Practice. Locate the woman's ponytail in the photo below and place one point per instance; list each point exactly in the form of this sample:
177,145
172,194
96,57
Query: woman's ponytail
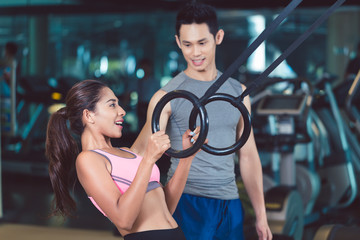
61,151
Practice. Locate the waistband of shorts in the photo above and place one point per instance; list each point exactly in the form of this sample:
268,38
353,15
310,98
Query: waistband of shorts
136,235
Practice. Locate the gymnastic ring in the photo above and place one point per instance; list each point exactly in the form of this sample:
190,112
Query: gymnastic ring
204,122
247,124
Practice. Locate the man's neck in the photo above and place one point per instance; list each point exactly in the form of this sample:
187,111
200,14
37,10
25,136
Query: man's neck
207,75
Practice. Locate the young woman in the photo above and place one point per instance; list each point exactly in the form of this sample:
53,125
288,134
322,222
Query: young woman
124,186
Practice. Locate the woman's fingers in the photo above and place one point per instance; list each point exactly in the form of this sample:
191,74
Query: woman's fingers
159,142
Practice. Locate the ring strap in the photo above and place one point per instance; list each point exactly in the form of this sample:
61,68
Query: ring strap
248,51
292,47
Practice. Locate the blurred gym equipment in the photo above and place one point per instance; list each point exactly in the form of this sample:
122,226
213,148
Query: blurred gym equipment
308,176
23,151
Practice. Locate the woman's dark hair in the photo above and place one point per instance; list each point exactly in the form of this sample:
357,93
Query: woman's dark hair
194,12
61,147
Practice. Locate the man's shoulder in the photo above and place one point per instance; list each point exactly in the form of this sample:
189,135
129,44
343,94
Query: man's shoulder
175,82
230,79
232,83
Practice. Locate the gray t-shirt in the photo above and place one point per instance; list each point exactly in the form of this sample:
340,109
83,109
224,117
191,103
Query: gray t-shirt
210,175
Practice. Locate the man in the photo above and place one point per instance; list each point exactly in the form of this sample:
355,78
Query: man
210,207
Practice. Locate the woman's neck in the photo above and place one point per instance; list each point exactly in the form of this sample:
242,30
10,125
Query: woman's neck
89,141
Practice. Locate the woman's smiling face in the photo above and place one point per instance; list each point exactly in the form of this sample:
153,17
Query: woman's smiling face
108,115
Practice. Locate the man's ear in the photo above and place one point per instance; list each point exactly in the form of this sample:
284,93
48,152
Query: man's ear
178,41
88,116
219,37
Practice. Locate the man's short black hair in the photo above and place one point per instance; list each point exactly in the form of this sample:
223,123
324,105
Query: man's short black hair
198,13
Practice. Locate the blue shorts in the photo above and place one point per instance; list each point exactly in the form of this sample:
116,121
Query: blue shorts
203,218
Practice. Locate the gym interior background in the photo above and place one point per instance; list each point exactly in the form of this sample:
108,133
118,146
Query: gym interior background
61,42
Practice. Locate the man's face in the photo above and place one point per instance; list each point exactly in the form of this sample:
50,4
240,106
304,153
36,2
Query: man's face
198,46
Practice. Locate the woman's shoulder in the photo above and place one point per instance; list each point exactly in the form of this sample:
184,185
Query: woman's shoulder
89,157
90,162
86,154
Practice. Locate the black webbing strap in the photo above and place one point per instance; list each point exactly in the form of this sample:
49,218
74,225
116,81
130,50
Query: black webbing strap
252,47
292,47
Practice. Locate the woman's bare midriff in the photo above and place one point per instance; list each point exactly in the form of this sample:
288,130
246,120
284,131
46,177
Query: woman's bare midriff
154,214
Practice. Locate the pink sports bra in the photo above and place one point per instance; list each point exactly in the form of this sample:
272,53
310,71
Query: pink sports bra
123,171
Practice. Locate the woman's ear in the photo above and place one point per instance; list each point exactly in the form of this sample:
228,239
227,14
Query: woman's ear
219,37
88,116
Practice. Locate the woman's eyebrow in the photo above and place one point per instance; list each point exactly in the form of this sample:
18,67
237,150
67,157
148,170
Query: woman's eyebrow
111,100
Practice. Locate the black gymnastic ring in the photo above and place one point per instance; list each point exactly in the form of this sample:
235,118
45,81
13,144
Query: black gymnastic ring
236,102
204,122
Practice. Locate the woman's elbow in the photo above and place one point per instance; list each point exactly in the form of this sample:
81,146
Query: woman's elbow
124,223
171,205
